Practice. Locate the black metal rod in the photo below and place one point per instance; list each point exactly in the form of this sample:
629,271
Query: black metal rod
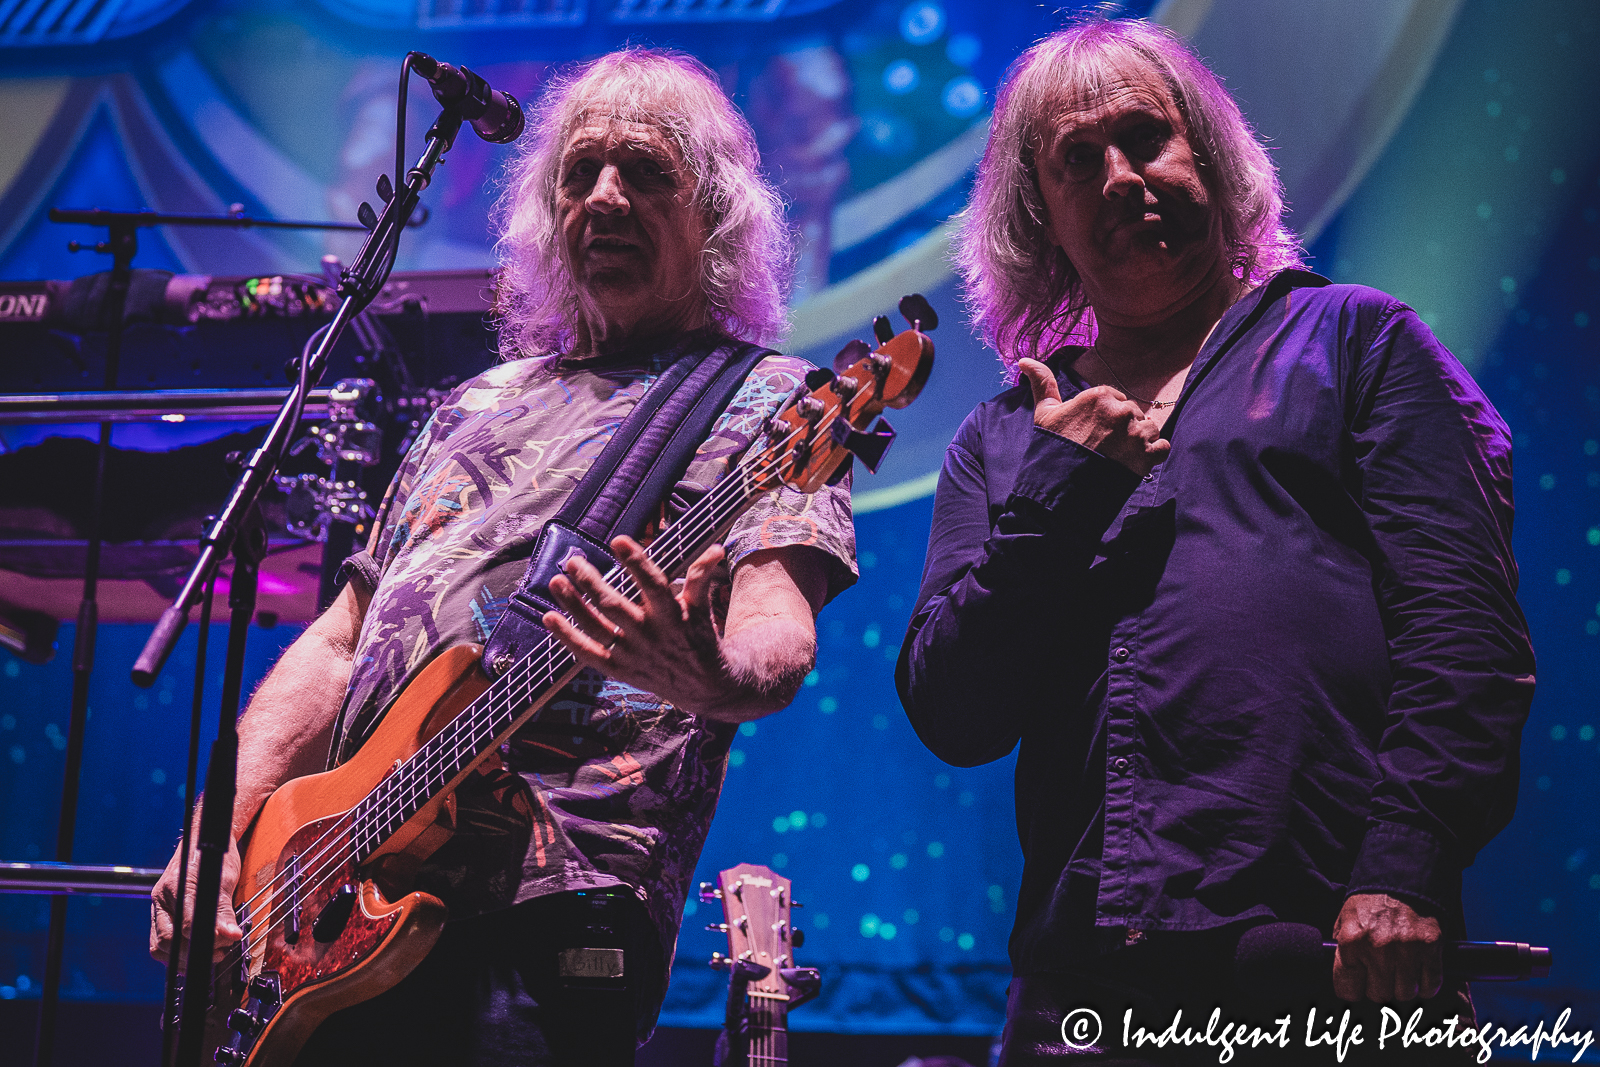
174,983
123,245
77,878
101,217
219,538
238,529
152,404
359,286
216,808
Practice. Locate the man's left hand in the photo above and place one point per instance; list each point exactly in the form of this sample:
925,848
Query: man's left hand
1387,952
666,643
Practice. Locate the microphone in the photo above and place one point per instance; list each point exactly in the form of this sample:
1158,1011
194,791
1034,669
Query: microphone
495,116
1275,957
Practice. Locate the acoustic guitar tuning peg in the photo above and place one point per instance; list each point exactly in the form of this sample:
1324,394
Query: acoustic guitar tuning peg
709,892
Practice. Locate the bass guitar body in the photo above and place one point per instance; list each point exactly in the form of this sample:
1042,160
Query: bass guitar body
322,930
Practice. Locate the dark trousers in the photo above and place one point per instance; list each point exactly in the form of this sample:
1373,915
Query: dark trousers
1080,1016
491,994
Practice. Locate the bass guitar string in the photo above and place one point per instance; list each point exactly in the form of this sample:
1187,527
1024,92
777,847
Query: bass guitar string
414,784
443,756
737,491
440,748
622,581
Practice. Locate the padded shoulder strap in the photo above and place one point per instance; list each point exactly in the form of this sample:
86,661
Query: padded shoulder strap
656,442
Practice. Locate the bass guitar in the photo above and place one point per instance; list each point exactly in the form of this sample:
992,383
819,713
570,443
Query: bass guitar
327,864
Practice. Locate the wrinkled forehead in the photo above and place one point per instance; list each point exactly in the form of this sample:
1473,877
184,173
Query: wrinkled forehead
604,131
1086,79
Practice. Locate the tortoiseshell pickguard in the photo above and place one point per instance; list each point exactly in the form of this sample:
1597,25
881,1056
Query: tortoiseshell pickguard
309,960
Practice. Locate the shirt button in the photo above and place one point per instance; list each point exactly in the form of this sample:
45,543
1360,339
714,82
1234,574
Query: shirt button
1119,764
1121,654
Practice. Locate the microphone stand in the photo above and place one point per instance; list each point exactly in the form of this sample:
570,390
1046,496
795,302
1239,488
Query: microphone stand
231,532
123,245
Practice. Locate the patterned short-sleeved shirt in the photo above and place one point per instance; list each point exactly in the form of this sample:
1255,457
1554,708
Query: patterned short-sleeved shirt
608,785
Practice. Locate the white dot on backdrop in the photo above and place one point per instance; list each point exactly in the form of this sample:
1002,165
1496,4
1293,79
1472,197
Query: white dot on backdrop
901,76
962,96
922,22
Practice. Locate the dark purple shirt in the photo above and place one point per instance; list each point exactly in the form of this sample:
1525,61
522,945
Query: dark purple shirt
1286,666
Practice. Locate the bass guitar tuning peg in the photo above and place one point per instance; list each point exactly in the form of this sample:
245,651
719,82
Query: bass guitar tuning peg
882,329
919,313
868,447
817,377
850,355
386,190
366,216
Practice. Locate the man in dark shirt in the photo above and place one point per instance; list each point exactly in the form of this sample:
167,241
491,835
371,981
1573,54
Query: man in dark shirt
1236,571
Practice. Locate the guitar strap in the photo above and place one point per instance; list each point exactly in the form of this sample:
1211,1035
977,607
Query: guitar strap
636,470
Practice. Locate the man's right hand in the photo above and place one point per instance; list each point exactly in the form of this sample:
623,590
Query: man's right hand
1099,418
164,898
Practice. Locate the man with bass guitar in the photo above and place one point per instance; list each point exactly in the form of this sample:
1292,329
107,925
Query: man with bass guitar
636,229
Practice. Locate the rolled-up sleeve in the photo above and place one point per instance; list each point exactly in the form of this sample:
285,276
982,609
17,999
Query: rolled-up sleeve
1435,477
996,591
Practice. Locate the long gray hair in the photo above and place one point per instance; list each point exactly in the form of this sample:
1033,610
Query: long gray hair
1023,292
749,256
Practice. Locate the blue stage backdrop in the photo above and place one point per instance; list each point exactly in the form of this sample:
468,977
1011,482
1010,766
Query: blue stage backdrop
1441,149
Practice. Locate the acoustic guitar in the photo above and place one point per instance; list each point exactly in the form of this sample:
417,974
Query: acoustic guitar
764,984
323,894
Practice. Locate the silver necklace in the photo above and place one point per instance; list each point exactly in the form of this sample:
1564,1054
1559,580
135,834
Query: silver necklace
1131,395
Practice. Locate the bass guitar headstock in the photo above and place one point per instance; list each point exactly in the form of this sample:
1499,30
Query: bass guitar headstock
825,420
